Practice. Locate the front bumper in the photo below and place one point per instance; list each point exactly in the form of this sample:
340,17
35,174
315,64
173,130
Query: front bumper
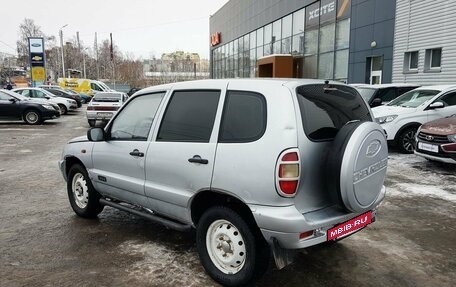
73,107
436,157
285,224
49,114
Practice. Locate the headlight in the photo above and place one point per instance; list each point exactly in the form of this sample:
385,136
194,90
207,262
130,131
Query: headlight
47,107
387,119
69,101
452,138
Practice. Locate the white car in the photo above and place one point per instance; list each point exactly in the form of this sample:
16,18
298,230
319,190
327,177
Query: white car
64,104
402,117
104,106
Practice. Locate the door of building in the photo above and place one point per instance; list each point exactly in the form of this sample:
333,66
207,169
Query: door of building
376,67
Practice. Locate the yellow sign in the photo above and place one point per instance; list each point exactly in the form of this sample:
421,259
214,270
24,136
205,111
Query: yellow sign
38,74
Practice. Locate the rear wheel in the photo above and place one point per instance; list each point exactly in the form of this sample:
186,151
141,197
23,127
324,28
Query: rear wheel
32,117
63,109
406,140
84,199
230,249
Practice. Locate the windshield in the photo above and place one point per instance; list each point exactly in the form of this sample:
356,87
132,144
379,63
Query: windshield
104,86
414,99
106,97
366,93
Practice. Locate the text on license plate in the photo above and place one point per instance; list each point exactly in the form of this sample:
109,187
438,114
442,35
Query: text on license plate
428,147
104,114
349,226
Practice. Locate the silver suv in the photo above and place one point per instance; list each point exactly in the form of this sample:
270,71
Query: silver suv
254,165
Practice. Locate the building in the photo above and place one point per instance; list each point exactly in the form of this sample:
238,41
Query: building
346,40
425,42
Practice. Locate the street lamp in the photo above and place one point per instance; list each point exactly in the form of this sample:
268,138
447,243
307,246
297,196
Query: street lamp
61,48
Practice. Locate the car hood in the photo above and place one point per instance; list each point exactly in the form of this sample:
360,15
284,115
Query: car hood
444,127
383,111
79,139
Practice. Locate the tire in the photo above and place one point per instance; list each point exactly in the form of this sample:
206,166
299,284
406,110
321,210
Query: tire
32,117
406,140
242,243
91,122
84,199
63,109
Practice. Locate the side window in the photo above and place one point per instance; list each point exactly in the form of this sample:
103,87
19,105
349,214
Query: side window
39,94
244,117
387,95
449,99
403,90
189,116
135,120
95,87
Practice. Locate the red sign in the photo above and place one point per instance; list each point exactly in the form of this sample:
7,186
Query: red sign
216,39
349,226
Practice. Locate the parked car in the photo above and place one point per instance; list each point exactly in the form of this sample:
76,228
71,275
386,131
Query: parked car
59,92
104,106
84,98
34,100
436,140
377,95
65,105
402,116
132,91
16,107
252,164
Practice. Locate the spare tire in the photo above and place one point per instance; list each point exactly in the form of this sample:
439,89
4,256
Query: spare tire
357,163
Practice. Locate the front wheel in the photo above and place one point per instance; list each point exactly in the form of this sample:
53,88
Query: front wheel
84,199
63,109
406,140
230,249
32,117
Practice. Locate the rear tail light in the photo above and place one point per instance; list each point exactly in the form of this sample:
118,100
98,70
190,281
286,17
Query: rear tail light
89,108
287,173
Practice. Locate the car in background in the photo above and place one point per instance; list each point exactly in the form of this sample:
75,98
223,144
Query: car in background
104,106
35,100
59,92
64,104
132,91
14,106
402,117
436,140
84,98
377,95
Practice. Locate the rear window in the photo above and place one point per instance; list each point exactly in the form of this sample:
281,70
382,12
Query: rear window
326,109
106,98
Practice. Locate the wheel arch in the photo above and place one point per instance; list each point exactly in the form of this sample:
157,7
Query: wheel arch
406,126
208,198
71,161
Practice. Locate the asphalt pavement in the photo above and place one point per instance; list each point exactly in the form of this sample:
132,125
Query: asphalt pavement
43,243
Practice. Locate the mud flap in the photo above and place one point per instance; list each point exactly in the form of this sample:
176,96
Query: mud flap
282,257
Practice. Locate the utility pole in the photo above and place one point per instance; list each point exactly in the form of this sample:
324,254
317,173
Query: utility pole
80,51
61,48
113,62
96,53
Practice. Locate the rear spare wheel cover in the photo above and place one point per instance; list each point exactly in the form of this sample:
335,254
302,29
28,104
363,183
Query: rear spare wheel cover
363,167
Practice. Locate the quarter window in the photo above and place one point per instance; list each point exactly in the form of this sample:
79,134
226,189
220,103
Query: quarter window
244,117
135,120
189,116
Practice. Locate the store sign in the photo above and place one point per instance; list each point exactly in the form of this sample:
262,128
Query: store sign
216,39
329,8
37,60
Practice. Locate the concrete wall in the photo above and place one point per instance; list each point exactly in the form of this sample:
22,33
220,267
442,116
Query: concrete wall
422,25
371,20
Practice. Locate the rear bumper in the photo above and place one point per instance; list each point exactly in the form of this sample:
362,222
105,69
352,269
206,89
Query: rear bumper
100,115
285,224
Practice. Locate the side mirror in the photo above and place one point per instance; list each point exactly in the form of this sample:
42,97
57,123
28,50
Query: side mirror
13,100
376,102
47,97
96,135
436,105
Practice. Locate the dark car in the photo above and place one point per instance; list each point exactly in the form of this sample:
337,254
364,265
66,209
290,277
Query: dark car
132,91
59,92
84,98
17,107
377,95
436,140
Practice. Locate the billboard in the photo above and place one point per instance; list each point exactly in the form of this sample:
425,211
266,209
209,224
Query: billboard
37,60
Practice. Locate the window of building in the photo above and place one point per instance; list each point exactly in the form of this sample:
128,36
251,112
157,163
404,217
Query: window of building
136,119
259,37
287,26
253,40
340,65
433,59
298,21
267,34
326,41
311,42
343,9
298,44
244,117
310,66
286,45
235,46
326,66
343,34
189,116
411,61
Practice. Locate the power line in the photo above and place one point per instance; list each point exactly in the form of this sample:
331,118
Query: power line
12,48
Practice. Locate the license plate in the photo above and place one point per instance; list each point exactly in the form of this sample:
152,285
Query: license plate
104,114
428,147
349,226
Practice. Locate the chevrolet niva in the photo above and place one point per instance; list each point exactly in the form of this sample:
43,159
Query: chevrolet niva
256,166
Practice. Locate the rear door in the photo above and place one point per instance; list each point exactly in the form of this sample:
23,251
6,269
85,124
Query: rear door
180,159
118,163
9,109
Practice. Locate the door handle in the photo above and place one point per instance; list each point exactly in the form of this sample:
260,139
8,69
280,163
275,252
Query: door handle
198,159
136,152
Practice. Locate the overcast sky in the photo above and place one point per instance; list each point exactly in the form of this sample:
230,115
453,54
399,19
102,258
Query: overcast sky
142,27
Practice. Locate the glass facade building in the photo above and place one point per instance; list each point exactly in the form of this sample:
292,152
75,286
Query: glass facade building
316,35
